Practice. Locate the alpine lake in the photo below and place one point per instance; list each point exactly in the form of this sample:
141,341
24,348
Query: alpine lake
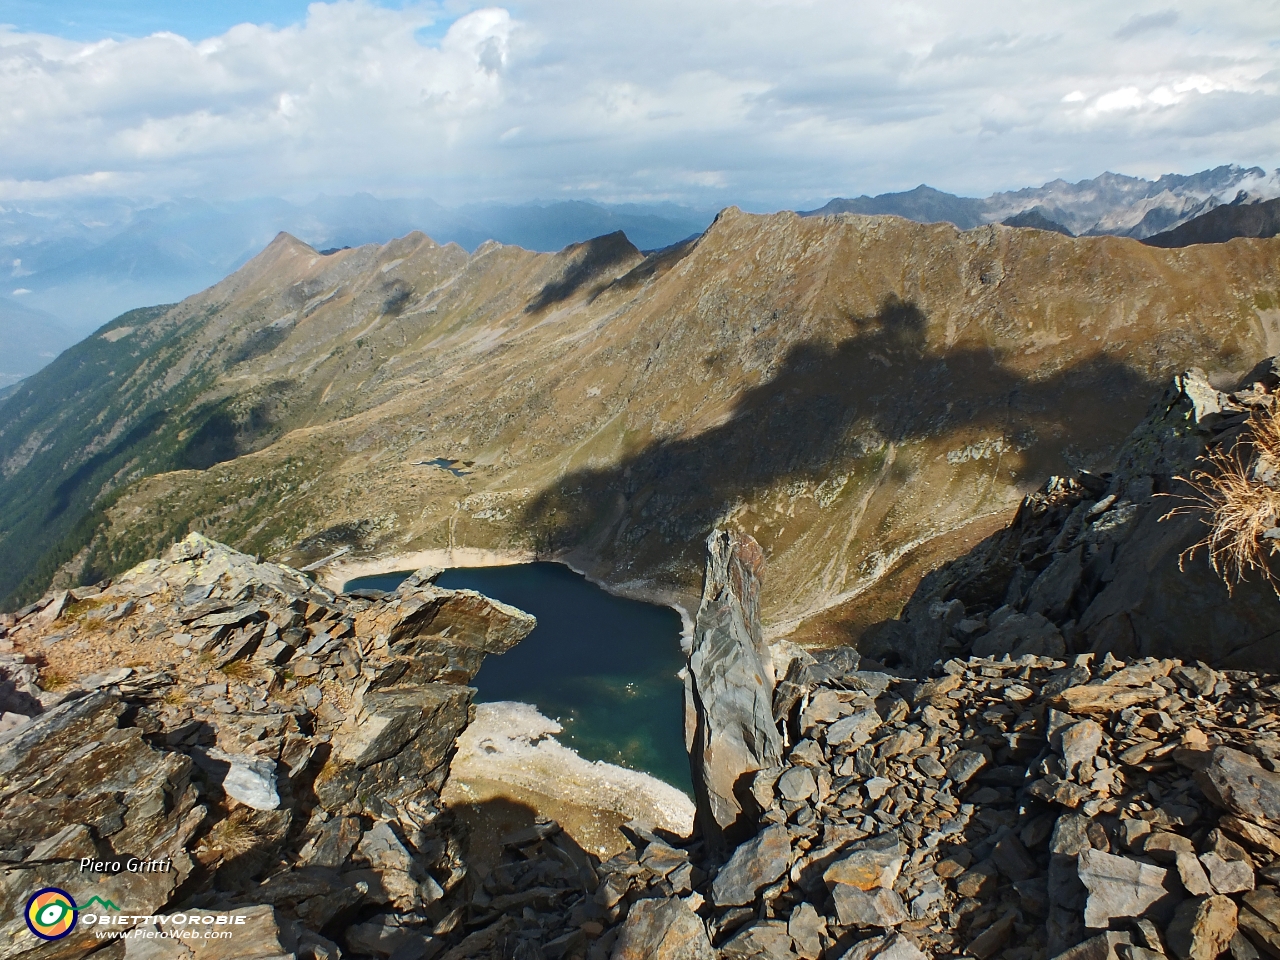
603,666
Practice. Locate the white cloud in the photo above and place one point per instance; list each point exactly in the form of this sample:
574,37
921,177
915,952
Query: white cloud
750,101
1126,98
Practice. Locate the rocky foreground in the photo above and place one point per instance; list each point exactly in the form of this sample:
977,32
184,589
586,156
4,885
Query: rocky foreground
283,747
1025,794
1020,808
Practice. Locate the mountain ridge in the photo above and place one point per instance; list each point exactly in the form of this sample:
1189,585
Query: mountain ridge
769,374
87,261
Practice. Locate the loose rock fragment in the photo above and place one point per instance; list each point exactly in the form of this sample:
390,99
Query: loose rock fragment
1202,928
754,865
1120,887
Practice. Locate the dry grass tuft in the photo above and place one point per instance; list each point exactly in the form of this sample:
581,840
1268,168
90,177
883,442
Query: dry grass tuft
1234,487
53,680
240,670
174,697
228,839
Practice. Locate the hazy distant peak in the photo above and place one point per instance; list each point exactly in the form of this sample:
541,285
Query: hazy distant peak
284,245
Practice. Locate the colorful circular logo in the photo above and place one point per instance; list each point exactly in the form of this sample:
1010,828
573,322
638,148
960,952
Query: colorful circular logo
51,913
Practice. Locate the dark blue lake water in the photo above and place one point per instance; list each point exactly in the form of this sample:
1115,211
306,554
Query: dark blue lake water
603,666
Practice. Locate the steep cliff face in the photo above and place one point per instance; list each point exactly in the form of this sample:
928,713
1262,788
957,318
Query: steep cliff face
862,395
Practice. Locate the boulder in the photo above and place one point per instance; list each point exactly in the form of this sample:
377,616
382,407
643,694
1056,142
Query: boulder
870,864
1080,743
765,938
662,928
1119,887
400,745
421,616
248,779
1202,928
893,947
880,907
1021,634
1259,918
1238,783
806,927
262,936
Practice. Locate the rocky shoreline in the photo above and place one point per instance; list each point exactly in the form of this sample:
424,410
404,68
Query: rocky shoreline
510,751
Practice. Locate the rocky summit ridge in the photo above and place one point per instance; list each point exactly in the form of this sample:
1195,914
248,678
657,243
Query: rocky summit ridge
1109,563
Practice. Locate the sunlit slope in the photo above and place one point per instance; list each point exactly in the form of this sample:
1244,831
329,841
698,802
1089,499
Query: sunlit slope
865,395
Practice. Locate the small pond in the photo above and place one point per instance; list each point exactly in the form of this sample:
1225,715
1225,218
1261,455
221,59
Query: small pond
603,666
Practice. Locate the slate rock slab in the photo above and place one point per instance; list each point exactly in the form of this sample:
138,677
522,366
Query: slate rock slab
1238,783
754,865
662,928
1120,887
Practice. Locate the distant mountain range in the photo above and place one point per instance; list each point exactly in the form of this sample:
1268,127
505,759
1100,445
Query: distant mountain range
77,264
1110,204
85,263
1259,220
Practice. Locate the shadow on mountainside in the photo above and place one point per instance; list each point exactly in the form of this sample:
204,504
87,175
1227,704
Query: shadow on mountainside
832,409
587,261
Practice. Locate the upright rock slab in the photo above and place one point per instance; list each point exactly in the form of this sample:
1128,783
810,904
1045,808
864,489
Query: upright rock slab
730,689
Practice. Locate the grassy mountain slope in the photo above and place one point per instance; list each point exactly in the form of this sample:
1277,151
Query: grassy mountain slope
865,395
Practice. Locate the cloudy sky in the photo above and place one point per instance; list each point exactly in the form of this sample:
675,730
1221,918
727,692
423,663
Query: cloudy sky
764,103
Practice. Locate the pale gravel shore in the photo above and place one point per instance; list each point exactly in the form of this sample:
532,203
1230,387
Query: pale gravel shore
335,574
513,745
